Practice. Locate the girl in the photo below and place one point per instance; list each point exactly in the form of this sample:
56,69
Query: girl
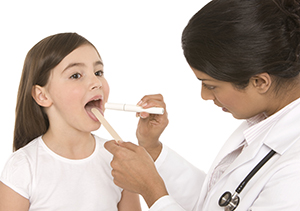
58,163
247,56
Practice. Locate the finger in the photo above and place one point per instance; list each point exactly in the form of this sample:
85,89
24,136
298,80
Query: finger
111,146
155,96
144,115
129,145
145,101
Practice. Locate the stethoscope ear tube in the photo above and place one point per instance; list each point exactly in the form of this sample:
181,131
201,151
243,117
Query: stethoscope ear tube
230,202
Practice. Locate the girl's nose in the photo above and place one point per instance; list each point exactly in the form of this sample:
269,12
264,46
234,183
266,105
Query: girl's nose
207,94
96,82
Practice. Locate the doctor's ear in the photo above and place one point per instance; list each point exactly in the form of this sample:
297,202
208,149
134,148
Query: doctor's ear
262,82
40,96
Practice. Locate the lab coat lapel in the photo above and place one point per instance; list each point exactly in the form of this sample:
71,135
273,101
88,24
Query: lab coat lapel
247,155
231,144
233,141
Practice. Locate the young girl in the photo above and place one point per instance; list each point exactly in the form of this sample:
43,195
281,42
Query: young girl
58,163
246,53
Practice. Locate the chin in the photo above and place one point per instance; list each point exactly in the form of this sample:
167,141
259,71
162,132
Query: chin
94,127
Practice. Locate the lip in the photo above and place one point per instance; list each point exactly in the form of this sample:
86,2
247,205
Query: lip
225,109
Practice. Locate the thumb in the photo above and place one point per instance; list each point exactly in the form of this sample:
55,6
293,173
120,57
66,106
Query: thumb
128,145
111,146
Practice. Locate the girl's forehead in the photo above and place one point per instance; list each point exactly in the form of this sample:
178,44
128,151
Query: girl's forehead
85,54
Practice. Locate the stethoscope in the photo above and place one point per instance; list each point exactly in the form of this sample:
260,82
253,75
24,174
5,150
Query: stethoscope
230,202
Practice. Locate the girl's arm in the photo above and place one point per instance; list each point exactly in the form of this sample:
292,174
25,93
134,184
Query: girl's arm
129,202
11,200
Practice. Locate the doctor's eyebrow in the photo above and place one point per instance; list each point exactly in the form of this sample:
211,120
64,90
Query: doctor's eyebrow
200,79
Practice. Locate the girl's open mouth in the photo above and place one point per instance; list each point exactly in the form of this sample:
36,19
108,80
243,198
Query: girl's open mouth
95,102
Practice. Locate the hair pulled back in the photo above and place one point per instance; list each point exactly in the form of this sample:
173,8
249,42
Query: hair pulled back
31,121
233,40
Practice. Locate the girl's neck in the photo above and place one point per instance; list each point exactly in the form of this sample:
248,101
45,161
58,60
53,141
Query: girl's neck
69,144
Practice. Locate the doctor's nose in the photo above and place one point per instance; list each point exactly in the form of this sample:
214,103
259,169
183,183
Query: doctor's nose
207,94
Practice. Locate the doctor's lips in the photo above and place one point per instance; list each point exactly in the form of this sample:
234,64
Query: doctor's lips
223,108
95,102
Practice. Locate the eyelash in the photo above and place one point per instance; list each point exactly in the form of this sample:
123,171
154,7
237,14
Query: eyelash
99,73
75,76
208,87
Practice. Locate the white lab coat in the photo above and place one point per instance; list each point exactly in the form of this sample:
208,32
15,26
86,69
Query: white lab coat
275,187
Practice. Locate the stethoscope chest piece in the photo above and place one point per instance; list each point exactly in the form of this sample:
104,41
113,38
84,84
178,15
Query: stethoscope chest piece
228,201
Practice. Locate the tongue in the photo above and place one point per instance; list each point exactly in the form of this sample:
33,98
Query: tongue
88,109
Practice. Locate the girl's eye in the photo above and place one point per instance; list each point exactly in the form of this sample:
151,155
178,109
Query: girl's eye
76,76
99,73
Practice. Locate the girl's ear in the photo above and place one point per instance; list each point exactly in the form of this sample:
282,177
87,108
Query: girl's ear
40,96
262,82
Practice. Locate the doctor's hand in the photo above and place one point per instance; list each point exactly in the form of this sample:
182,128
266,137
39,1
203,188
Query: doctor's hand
151,126
134,170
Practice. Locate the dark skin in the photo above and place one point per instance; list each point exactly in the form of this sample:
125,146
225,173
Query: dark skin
132,164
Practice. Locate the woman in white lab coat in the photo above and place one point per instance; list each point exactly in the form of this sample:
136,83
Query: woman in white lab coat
247,56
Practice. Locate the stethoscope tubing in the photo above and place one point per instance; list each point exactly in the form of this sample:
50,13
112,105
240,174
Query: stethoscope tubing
230,202
254,171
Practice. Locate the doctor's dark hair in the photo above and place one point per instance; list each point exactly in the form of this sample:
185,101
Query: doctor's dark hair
31,120
233,40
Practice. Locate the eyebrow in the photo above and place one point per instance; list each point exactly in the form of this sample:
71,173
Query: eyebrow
200,79
81,64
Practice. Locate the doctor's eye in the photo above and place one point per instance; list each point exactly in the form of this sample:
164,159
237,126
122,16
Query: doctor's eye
75,76
209,87
99,73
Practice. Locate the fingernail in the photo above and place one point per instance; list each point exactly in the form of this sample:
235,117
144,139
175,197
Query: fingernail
119,142
144,104
140,103
143,115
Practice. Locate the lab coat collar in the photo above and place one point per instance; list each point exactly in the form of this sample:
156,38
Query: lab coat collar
273,131
280,137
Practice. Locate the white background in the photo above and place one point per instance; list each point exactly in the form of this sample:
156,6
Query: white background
140,44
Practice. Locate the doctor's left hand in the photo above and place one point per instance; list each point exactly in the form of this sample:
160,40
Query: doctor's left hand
151,126
134,170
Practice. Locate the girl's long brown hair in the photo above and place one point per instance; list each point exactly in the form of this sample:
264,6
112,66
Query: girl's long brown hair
31,121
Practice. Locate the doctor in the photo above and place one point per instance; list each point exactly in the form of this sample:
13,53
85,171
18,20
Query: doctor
246,55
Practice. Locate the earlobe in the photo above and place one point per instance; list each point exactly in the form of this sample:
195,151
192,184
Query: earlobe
262,82
39,95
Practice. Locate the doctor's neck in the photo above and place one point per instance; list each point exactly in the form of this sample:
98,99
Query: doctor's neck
284,95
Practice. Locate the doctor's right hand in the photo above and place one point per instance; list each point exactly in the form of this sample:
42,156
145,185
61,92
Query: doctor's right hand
133,169
151,126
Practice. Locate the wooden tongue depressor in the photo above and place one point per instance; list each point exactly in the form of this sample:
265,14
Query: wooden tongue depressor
107,126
